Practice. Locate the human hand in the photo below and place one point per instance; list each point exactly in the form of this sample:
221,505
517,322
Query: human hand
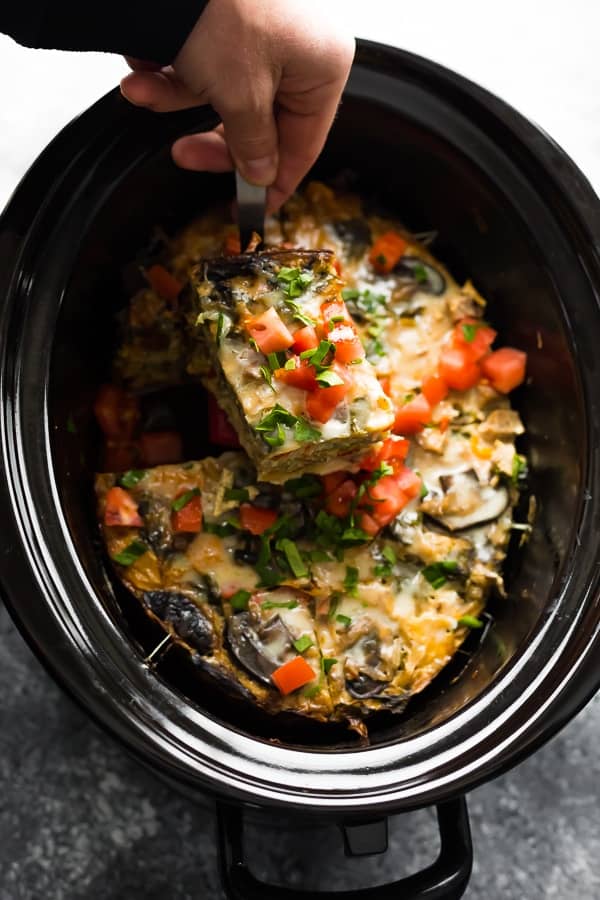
273,70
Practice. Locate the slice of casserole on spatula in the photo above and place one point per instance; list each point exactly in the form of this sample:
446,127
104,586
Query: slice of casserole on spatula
287,365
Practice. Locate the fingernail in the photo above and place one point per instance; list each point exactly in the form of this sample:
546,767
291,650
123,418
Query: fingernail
260,171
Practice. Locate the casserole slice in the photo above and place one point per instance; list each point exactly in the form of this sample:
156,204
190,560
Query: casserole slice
287,364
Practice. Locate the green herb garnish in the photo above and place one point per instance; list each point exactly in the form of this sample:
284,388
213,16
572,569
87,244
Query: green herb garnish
319,556
276,360
390,560
239,600
305,486
351,581
334,602
293,282
185,498
293,557
132,552
304,431
131,478
298,313
221,529
267,375
470,622
436,573
290,364
271,426
327,663
303,643
350,293
346,621
240,494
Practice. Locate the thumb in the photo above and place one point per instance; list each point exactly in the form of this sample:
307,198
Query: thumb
251,136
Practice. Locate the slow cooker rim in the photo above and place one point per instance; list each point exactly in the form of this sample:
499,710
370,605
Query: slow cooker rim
578,697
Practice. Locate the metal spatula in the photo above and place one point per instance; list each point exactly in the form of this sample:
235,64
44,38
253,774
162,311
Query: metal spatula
251,204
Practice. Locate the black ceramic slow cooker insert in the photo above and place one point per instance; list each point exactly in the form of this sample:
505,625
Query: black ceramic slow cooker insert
515,215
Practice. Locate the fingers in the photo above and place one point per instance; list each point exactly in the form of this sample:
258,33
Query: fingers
250,132
203,152
302,135
159,91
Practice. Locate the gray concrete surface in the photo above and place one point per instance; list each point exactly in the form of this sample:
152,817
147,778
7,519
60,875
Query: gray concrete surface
81,820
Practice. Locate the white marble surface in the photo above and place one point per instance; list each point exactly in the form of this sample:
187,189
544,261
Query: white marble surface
540,56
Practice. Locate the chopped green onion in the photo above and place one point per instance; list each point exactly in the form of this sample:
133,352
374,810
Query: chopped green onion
290,364
221,529
293,556
389,554
221,331
350,293
423,491
334,602
240,494
240,599
131,478
470,622
519,468
303,643
182,501
316,355
319,556
276,360
132,552
312,690
355,535
351,581
275,604
274,417
327,663
293,282
343,620
469,331
420,273
329,378
436,573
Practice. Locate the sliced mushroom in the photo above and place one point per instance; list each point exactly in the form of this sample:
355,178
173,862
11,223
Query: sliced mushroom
465,502
428,279
185,618
261,647
355,234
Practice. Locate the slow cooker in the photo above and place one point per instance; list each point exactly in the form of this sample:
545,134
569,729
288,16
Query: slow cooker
513,213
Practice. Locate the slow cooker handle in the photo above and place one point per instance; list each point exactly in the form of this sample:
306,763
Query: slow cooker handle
445,879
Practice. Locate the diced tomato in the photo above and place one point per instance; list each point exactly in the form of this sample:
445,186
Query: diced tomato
408,482
482,337
337,266
322,403
270,331
505,368
457,369
384,500
413,416
336,310
443,424
160,447
255,519
386,384
305,339
232,244
393,449
368,524
348,346
339,501
292,675
434,389
220,429
303,376
165,284
120,455
117,413
189,517
332,480
121,509
386,251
